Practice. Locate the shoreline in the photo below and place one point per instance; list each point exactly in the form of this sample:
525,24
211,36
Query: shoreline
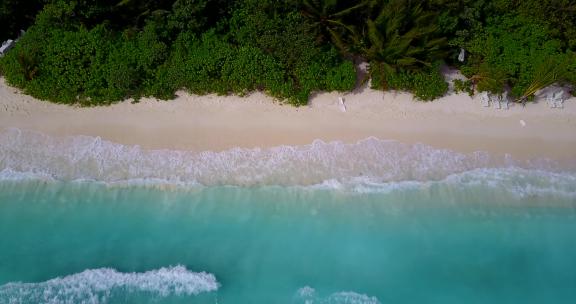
216,123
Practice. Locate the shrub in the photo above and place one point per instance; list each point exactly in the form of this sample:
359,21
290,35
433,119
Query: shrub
463,86
65,66
425,85
341,78
429,85
513,50
250,69
203,62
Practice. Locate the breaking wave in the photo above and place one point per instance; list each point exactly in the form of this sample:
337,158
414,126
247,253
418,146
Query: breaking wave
309,295
519,182
370,165
101,285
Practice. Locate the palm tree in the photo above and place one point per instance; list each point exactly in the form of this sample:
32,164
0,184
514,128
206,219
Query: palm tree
490,79
548,73
327,16
402,36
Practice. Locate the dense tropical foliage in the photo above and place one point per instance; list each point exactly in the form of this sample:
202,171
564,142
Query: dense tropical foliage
97,52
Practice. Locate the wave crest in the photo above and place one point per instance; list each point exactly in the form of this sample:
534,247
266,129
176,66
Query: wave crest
370,165
97,286
520,182
91,158
309,296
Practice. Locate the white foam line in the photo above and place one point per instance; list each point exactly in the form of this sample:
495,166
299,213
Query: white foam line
518,182
97,286
28,155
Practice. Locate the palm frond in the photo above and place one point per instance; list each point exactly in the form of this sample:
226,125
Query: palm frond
374,34
349,10
548,73
337,40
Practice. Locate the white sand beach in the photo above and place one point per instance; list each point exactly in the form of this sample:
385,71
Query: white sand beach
200,123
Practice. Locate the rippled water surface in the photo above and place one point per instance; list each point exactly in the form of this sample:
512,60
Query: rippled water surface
282,245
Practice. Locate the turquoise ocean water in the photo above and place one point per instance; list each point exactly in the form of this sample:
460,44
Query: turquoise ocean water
87,221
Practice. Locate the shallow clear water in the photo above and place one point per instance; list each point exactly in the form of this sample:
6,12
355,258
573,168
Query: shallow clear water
288,245
87,221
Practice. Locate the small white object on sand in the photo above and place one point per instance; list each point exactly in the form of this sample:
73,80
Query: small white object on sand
342,105
522,123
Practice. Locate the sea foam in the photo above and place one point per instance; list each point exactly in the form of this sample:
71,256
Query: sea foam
308,295
99,285
364,166
519,182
